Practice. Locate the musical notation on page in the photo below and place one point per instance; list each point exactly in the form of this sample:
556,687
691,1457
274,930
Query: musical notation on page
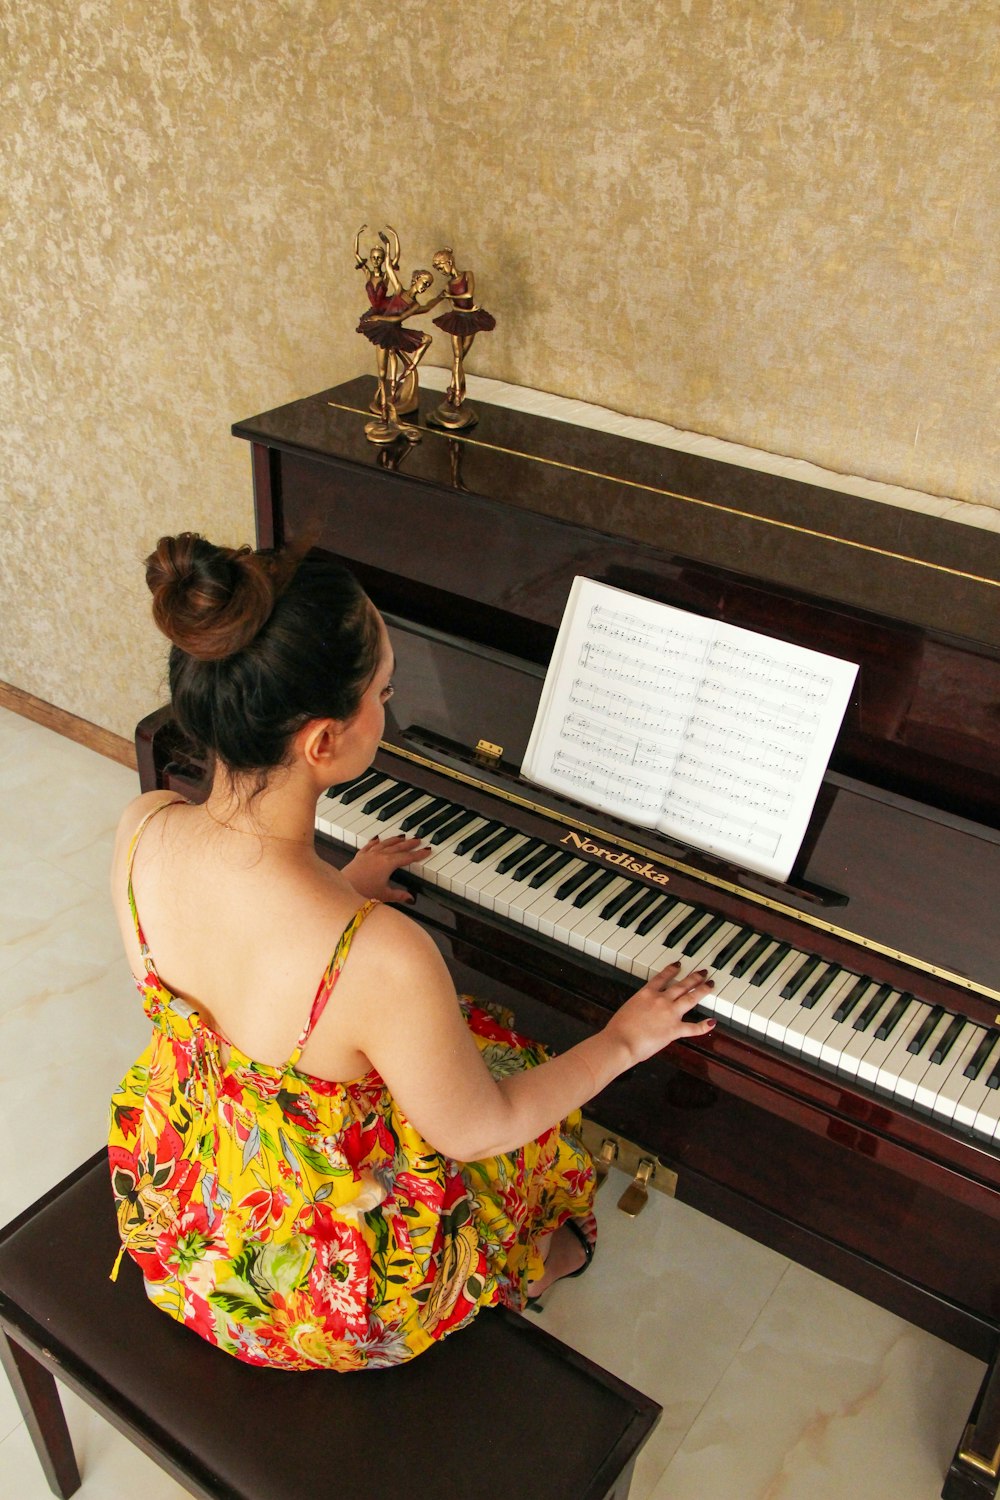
704,731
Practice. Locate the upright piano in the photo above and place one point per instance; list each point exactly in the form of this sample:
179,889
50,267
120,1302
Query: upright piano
846,1109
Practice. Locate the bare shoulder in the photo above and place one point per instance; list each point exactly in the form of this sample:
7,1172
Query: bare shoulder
402,950
131,820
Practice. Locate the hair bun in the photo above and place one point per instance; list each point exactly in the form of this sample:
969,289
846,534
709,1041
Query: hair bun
209,601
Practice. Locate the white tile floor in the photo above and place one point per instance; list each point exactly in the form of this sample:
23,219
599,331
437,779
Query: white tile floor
775,1384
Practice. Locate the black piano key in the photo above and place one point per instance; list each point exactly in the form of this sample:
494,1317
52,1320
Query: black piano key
593,890
948,1041
485,851
466,845
359,788
850,1000
770,963
537,857
649,921
798,979
433,819
547,871
920,1040
993,1082
616,903
399,804
733,947
387,794
454,825
887,1026
632,913
974,1066
871,1010
341,787
747,960
574,882
685,926
497,842
427,811
514,858
702,936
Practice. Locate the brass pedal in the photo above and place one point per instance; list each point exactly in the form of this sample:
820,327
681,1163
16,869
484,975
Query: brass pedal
608,1149
604,1159
636,1195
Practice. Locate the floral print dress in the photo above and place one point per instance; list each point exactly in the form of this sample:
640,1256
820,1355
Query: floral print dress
307,1225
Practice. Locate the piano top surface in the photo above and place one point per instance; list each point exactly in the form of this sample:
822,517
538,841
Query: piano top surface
941,575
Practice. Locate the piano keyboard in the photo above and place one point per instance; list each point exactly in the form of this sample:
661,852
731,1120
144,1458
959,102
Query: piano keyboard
885,1039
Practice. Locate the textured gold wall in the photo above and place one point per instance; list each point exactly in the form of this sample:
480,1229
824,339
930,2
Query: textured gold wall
776,222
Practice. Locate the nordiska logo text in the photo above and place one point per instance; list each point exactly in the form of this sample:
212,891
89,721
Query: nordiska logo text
618,857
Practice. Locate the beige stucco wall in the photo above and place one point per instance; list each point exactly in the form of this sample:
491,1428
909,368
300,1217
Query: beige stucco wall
775,222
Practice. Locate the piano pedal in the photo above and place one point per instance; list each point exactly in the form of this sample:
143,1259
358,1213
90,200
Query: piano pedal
635,1197
604,1159
608,1149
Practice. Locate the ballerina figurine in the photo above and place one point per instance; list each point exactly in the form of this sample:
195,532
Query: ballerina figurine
379,271
462,322
398,350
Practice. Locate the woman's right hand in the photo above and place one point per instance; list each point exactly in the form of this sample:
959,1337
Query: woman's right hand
653,1017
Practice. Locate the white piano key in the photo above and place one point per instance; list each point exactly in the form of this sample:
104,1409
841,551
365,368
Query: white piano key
547,903
432,869
878,1052
899,1054
636,945
818,1024
987,1121
761,1011
976,1096
955,1082
579,933
859,1044
912,1072
936,1075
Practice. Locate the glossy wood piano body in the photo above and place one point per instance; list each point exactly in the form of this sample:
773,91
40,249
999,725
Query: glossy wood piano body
469,545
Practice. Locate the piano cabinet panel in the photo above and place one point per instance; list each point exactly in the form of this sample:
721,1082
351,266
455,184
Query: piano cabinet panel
820,1199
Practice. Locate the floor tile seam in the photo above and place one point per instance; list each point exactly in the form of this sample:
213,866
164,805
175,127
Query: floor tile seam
53,864
11,1432
747,1333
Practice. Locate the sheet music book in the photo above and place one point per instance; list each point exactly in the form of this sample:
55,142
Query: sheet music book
709,733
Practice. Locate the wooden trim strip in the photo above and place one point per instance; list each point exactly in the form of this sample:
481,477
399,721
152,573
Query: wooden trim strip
114,746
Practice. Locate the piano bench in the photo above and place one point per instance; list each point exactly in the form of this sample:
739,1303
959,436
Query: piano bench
500,1407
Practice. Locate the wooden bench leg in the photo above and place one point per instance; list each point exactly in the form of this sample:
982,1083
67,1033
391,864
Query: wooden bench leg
38,1397
619,1490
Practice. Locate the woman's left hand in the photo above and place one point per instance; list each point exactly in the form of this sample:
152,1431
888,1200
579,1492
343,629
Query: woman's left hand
372,868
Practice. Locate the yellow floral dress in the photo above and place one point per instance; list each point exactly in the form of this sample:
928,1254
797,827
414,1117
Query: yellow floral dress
307,1225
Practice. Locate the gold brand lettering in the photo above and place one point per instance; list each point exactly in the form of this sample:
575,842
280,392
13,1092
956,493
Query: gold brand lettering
619,858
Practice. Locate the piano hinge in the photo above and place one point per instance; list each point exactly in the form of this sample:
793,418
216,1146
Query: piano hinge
488,754
610,1149
990,1466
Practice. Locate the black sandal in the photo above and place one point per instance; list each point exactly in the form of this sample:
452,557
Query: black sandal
537,1304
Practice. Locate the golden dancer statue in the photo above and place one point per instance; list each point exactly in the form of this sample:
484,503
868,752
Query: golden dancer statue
462,322
398,350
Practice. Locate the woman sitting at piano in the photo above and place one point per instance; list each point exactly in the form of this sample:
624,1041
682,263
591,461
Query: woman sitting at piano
324,1158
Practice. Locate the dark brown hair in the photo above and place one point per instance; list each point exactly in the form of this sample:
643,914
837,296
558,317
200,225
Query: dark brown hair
260,644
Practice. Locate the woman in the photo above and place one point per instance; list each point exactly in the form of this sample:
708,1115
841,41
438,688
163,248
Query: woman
322,1176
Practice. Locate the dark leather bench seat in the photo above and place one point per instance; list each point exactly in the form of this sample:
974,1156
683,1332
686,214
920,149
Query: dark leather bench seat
499,1408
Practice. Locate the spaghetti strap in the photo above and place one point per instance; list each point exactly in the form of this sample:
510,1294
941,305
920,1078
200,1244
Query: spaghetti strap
143,945
330,977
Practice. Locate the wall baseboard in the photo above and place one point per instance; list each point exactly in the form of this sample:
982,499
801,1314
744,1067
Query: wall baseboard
114,746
